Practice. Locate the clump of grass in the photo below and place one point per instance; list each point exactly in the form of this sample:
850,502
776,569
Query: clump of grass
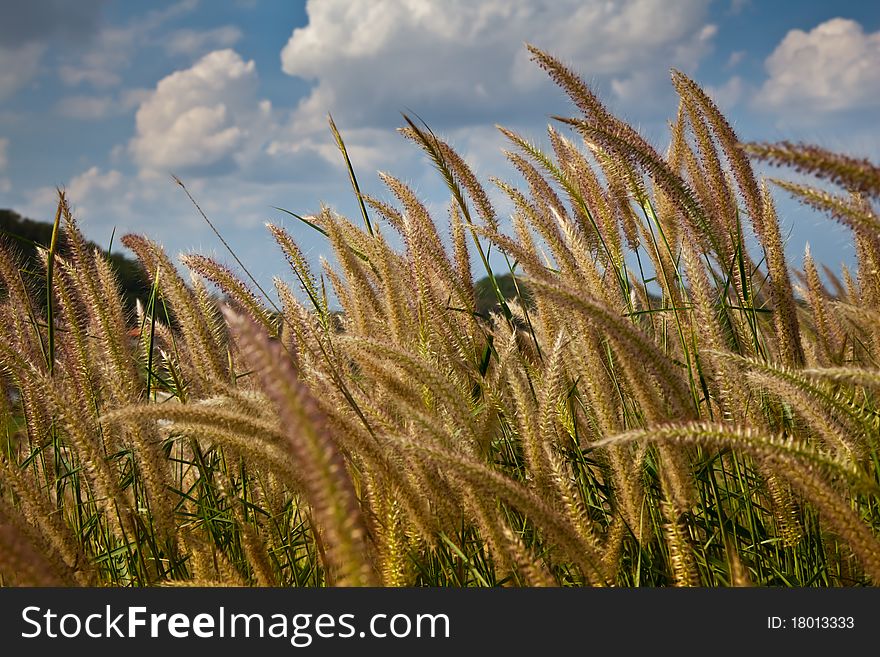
697,423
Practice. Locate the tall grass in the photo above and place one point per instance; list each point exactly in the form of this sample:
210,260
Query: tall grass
657,404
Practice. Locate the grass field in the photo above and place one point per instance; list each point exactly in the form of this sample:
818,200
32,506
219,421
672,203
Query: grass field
663,407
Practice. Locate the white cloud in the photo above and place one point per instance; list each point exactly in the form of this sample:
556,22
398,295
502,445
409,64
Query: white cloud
735,58
93,108
4,161
729,93
5,185
114,47
196,42
737,6
91,188
85,107
198,116
18,66
462,57
835,66
84,184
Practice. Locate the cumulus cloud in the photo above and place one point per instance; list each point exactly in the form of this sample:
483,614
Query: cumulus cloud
466,59
4,161
27,29
18,66
113,47
735,58
85,107
728,94
94,108
197,42
90,189
833,67
199,116
84,184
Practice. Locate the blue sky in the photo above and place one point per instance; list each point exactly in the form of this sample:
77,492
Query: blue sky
108,99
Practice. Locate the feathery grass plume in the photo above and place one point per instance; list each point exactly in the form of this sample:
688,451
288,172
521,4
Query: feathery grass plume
625,186
154,473
458,172
435,149
625,477
18,395
386,518
253,549
736,154
860,327
77,347
20,324
397,308
231,285
551,394
774,455
534,569
211,567
596,281
838,512
861,376
868,257
563,481
421,377
480,477
635,347
678,544
596,209
366,307
784,505
425,249
327,484
828,332
541,210
467,180
301,268
209,364
838,289
49,528
546,198
526,414
856,174
232,430
628,145
585,100
698,180
782,296
709,179
392,216
854,213
303,333
777,451
22,563
99,291
461,257
86,436
726,382
491,526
